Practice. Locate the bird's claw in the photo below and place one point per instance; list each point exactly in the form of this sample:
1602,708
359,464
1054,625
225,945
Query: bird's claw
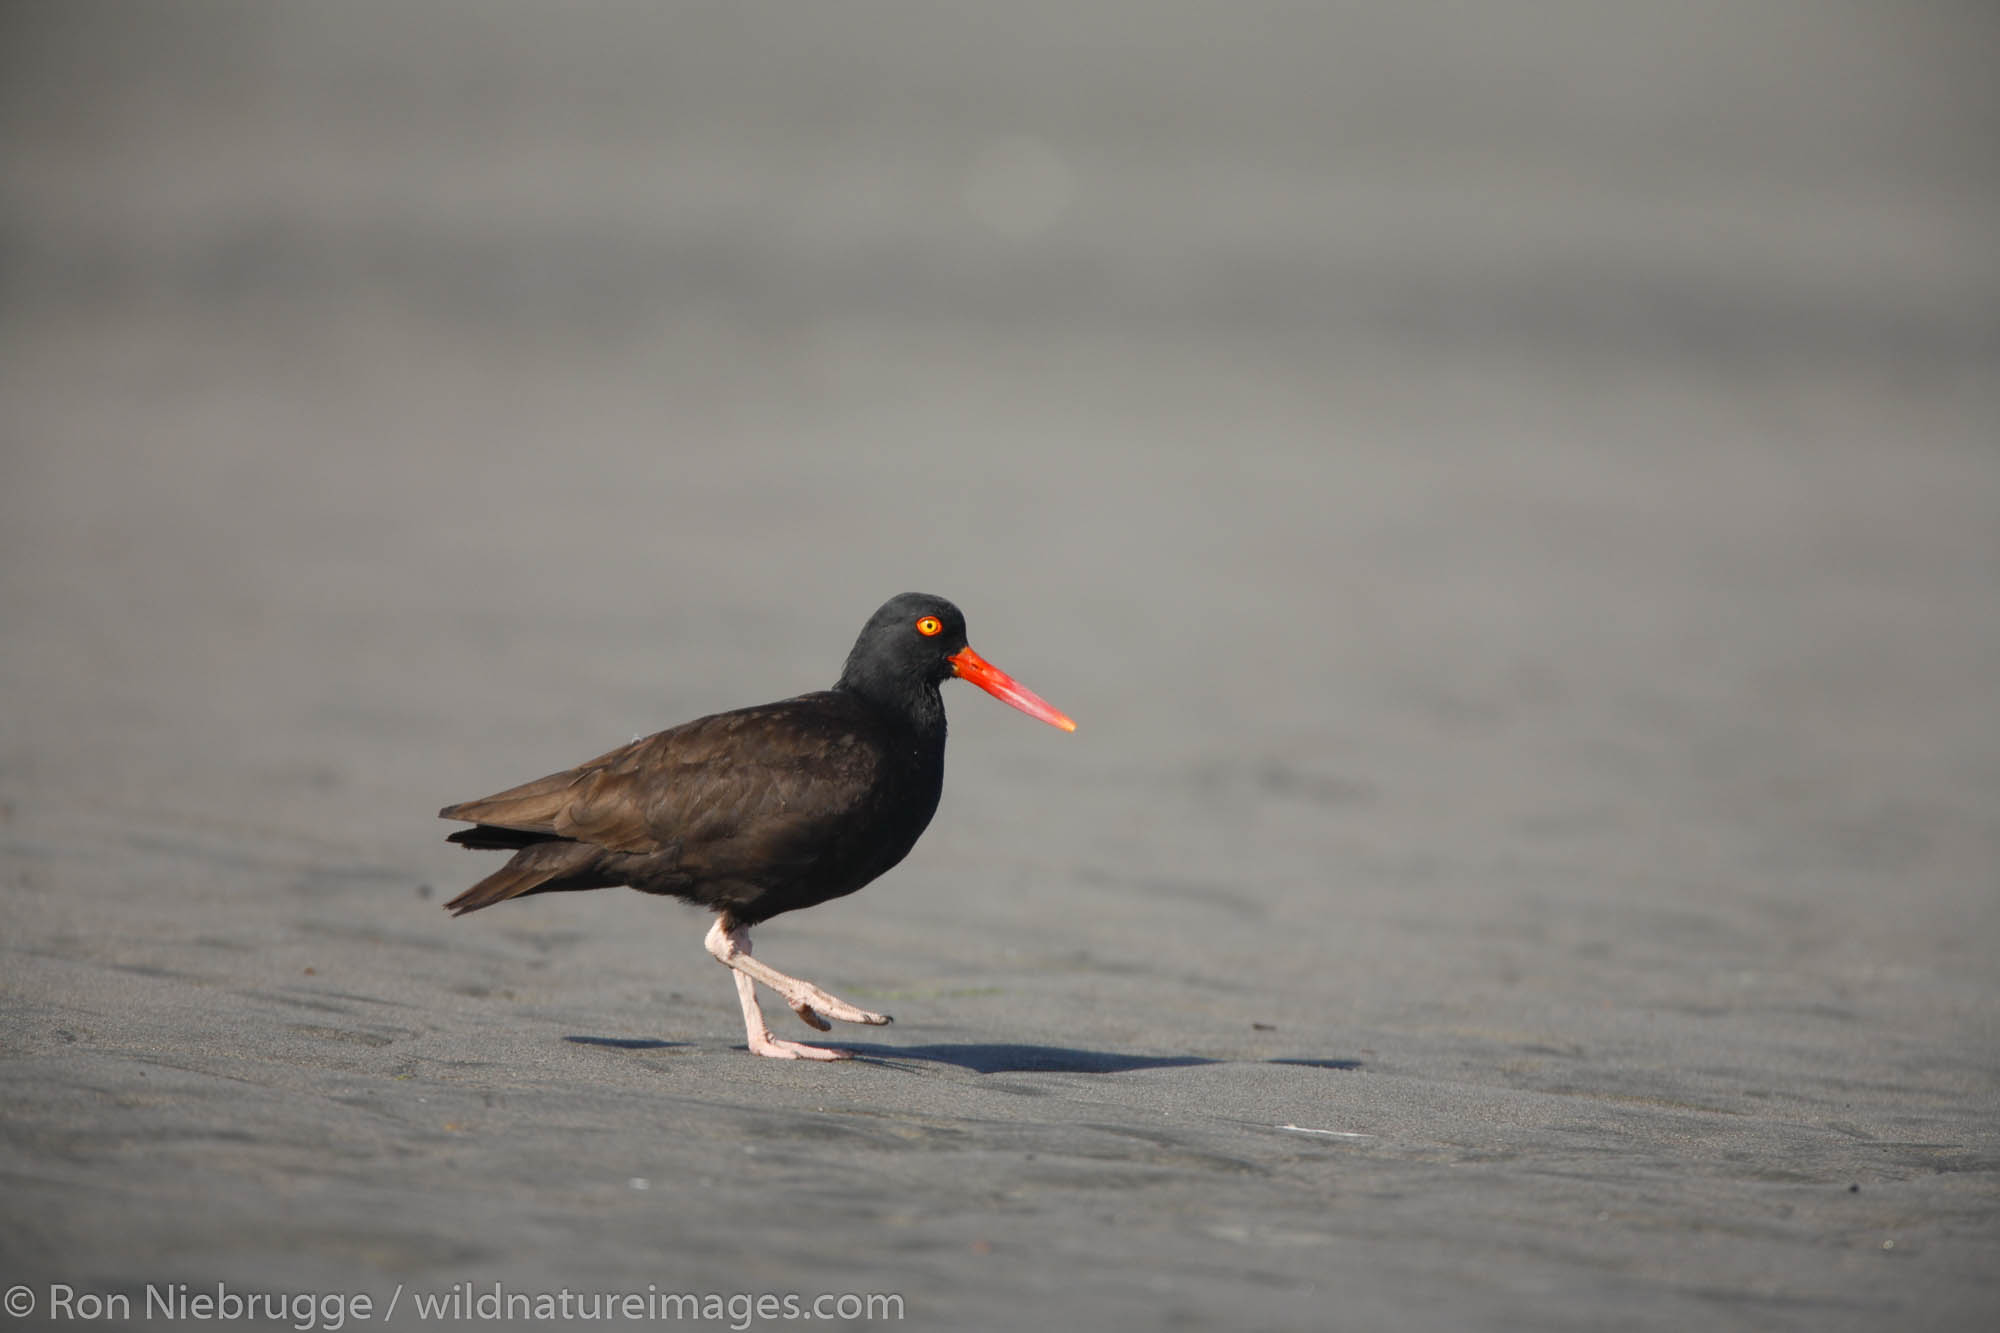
810,1016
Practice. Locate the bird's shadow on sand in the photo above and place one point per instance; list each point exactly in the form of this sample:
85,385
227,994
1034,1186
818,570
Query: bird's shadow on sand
980,1058
993,1057
1014,1058
1017,1058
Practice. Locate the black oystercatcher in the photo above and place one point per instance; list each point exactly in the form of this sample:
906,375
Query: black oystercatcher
759,811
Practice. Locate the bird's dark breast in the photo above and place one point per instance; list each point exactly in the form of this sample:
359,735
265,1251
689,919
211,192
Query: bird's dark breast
815,798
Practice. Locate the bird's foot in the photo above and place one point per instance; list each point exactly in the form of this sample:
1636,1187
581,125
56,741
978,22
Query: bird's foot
815,1006
780,1049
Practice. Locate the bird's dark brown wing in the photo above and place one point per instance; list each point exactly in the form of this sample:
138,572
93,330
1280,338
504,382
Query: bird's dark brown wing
750,789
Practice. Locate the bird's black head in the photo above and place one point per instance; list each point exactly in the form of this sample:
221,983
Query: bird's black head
907,644
915,643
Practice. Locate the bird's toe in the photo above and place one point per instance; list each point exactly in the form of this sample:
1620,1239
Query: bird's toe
779,1049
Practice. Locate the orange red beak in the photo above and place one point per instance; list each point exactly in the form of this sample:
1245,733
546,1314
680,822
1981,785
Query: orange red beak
971,666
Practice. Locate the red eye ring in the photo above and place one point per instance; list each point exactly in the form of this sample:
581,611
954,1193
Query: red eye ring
929,625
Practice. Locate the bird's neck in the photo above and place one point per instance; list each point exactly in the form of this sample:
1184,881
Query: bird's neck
909,705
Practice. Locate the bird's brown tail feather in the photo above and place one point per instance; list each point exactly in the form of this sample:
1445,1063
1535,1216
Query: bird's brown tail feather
529,872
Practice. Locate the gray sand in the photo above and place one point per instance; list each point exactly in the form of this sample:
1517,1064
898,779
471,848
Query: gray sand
1511,497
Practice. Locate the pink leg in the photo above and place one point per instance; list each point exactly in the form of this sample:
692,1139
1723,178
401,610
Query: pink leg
731,946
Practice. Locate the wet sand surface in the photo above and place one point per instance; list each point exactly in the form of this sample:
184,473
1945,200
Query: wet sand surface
1510,496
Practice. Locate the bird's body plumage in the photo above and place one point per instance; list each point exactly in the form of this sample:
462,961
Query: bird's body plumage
754,812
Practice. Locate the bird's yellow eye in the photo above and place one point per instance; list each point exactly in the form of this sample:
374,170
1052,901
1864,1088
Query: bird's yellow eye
929,625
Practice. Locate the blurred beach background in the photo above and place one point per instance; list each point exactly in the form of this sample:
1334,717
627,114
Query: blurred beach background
1510,493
